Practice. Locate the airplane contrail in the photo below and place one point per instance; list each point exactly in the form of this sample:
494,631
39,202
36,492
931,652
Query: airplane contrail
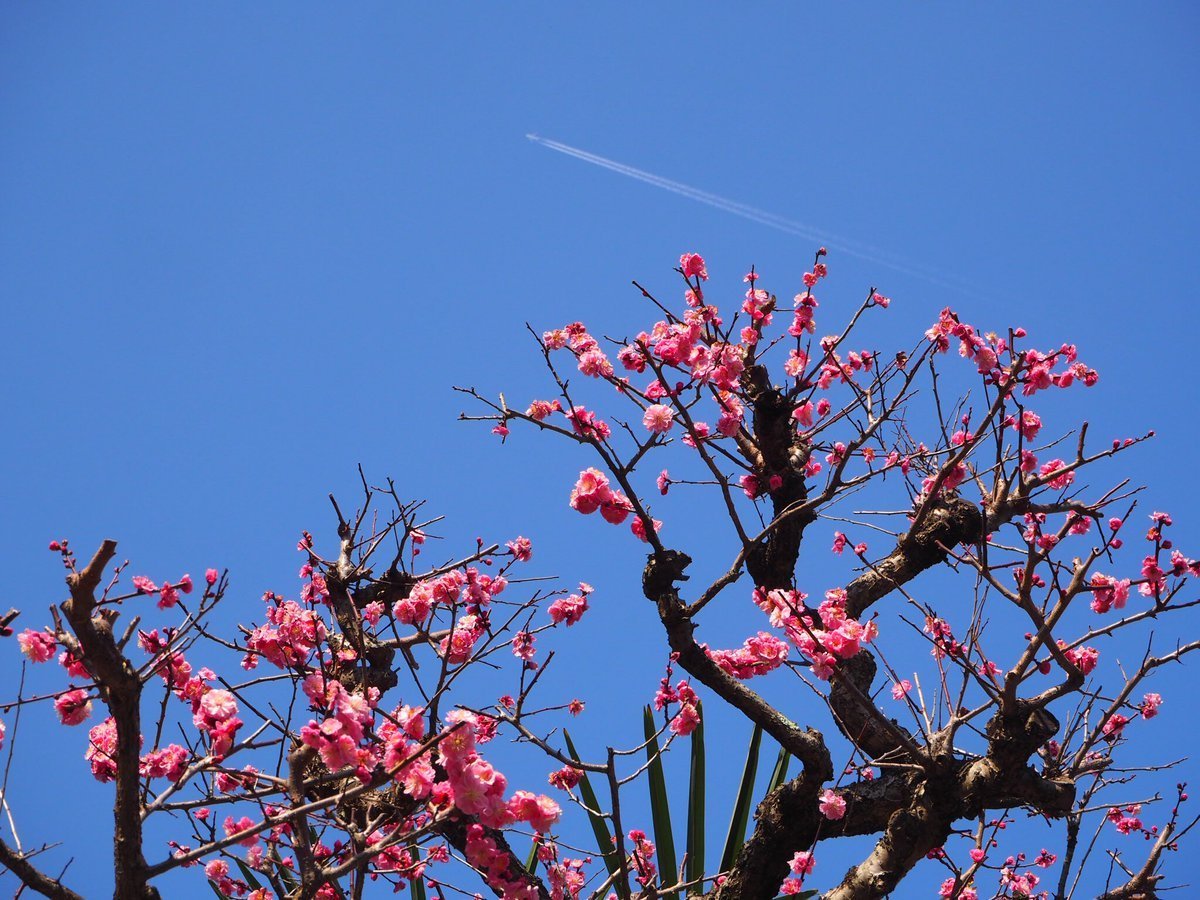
761,216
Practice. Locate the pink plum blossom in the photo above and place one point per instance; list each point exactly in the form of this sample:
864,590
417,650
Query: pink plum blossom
658,418
833,804
73,707
39,646
693,266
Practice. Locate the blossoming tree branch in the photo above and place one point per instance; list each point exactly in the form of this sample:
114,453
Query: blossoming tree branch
336,743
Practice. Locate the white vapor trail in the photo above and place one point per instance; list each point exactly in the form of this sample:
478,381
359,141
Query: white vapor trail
762,217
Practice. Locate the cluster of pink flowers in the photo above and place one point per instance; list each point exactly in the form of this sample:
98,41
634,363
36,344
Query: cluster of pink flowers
473,785
102,750
759,306
38,646
1114,726
1108,592
168,762
470,586
944,642
691,345
395,858
565,779
753,487
486,856
687,717
458,646
834,367
835,636
759,655
344,731
400,734
1057,475
1040,375
642,856
1022,884
415,608
946,480
540,410
567,878
477,789
215,714
591,359
230,782
1126,818
951,888
521,549
1153,578
523,647
585,424
217,871
986,352
593,492
479,588
168,594
214,710
538,810
803,414
1028,424
570,609
1034,535
1084,659
337,738
291,634
805,304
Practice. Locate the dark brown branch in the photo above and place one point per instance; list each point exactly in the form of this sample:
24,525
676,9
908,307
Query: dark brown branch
788,820
658,584
121,691
32,877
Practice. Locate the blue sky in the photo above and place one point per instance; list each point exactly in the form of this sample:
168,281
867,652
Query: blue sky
246,249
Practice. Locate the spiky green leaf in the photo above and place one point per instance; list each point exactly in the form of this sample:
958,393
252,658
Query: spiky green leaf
742,804
604,841
248,874
695,822
286,875
779,774
660,806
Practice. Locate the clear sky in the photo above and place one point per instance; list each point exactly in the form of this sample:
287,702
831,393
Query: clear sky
246,248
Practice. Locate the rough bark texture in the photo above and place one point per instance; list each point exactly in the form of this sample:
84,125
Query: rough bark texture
952,522
121,691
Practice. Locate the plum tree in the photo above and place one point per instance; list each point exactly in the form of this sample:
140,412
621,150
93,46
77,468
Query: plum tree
352,750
